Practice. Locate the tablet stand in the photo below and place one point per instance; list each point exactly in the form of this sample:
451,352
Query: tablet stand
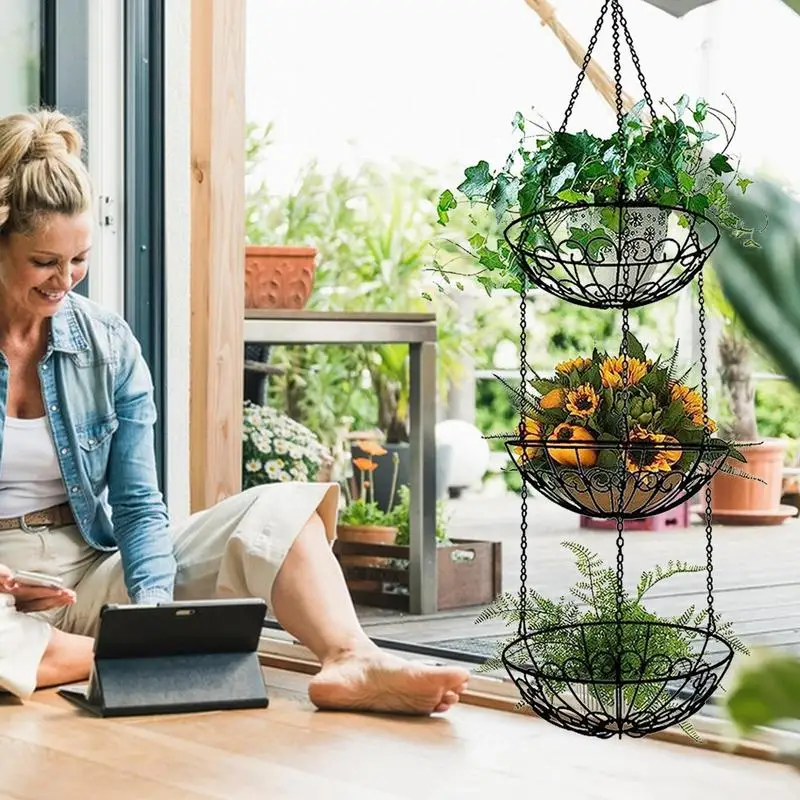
173,684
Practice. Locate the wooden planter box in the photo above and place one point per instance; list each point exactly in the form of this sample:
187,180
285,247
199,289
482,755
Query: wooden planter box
469,573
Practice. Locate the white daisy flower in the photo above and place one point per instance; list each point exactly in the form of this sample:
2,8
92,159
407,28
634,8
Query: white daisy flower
253,465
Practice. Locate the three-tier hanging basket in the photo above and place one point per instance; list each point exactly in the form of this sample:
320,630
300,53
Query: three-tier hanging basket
626,673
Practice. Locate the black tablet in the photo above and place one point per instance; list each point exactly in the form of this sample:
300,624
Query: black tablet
175,658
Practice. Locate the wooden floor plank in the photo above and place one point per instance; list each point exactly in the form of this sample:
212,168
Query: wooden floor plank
50,749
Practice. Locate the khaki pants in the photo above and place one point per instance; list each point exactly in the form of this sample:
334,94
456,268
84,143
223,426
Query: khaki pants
233,549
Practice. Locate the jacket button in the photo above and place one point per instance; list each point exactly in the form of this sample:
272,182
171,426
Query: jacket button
64,451
74,489
54,408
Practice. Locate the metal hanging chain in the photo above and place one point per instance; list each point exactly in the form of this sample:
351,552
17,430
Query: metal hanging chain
619,22
586,60
701,303
523,374
622,475
636,63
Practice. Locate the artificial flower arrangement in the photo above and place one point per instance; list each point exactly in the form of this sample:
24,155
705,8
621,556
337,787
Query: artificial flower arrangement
583,404
276,448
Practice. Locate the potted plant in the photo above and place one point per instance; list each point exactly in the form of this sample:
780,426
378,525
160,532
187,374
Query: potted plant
278,270
362,520
733,501
579,650
662,163
276,448
576,435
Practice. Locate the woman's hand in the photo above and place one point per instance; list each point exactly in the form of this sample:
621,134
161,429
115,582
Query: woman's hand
33,598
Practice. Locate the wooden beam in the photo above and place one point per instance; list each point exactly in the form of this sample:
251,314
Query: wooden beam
217,248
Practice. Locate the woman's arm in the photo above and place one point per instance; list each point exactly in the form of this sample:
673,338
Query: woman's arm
139,516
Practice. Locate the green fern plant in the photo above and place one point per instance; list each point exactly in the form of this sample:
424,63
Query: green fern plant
593,598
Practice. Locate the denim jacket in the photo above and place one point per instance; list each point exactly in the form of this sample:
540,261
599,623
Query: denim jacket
98,395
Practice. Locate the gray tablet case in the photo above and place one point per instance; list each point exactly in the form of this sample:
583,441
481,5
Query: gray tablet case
175,658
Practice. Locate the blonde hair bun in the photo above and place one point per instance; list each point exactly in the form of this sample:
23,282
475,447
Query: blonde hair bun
40,169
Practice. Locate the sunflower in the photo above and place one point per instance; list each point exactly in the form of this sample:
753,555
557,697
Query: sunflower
672,456
573,365
583,401
692,405
612,368
642,458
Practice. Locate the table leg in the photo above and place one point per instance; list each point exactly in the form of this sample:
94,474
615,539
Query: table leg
422,528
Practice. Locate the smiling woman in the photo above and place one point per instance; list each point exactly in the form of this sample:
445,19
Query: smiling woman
76,447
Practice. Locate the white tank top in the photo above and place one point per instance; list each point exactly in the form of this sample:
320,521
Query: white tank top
30,478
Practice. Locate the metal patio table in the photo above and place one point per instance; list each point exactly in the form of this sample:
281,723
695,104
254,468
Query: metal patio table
418,331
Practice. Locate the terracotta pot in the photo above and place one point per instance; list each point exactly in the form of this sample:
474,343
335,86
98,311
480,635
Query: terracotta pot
278,277
743,501
365,534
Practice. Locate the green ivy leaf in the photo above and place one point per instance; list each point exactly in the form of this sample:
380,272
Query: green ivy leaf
685,181
720,164
698,203
504,195
566,174
478,181
681,106
486,282
743,183
518,122
670,198
477,241
447,202
700,111
661,178
571,196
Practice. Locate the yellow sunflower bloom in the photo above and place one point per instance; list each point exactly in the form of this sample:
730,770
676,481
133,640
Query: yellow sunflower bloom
692,404
612,368
573,365
582,401
642,458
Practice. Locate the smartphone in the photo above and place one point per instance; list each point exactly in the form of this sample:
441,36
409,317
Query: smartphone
28,578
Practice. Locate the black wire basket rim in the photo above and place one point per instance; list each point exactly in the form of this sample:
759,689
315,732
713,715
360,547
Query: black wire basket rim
702,667
626,204
712,445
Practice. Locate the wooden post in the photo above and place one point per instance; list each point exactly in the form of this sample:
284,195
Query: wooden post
217,248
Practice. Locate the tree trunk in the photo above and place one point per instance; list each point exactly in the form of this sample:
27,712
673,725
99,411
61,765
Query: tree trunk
737,377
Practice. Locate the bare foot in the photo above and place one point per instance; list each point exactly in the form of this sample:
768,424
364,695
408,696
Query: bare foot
375,681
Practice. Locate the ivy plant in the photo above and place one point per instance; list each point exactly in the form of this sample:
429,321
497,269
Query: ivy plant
662,160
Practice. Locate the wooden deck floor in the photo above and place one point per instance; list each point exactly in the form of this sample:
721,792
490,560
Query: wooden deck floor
49,749
757,570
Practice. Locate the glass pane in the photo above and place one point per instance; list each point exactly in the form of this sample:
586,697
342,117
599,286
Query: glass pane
19,55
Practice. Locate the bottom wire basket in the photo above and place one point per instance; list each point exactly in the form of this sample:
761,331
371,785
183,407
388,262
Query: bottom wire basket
606,679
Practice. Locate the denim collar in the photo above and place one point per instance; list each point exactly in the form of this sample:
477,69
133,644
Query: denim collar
65,333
